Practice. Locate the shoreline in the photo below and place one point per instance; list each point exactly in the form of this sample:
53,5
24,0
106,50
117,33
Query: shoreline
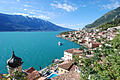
63,40
31,31
70,41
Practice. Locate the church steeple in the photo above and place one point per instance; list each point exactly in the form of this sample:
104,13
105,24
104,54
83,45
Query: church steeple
13,54
14,61
14,64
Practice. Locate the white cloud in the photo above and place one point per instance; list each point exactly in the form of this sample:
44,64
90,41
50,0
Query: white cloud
43,17
23,14
113,4
36,16
32,12
64,6
27,5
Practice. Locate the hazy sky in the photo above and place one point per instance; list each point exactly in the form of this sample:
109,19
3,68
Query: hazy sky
68,13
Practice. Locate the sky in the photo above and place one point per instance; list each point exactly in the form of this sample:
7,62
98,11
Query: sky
72,14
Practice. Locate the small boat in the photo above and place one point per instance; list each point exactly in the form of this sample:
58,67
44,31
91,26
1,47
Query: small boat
59,43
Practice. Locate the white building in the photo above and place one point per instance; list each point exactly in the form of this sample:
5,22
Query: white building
68,54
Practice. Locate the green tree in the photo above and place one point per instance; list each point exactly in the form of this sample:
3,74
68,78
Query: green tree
19,76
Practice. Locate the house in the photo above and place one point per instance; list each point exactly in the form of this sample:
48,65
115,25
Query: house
67,66
94,44
32,74
110,37
68,54
83,41
64,67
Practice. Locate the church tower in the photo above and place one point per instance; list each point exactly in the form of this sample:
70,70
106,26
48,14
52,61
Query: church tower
14,64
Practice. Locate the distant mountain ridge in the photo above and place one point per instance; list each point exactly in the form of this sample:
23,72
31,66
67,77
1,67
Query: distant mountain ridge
110,16
25,23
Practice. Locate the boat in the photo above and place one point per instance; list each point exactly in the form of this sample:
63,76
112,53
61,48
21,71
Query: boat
59,43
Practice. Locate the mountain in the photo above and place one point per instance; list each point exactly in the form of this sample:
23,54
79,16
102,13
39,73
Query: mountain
108,17
25,23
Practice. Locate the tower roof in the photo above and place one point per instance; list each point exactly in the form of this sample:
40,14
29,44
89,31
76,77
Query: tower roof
14,61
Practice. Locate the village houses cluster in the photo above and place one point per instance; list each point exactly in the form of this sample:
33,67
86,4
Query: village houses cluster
65,68
90,38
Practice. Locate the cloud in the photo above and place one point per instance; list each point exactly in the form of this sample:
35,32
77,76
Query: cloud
43,17
112,5
64,6
32,12
36,16
23,14
40,16
27,5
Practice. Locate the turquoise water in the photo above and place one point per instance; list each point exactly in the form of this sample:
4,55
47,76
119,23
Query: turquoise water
53,75
35,48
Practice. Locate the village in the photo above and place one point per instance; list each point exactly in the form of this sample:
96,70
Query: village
69,66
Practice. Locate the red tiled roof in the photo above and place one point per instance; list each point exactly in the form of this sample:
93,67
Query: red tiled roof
30,70
74,51
95,44
83,41
66,66
32,74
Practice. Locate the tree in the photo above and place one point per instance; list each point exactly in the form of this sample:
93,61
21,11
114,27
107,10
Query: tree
18,76
76,59
109,69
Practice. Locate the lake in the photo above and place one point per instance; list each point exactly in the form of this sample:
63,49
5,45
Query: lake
35,48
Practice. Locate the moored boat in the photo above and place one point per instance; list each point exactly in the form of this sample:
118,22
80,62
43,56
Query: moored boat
59,43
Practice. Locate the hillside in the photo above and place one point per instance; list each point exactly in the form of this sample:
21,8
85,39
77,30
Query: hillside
22,23
110,24
108,17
